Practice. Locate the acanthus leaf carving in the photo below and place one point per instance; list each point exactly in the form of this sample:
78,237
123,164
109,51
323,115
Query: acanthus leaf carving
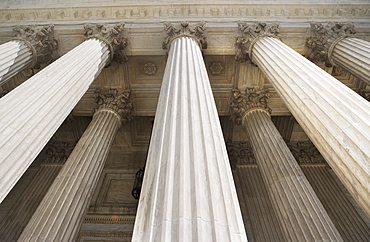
172,32
242,103
113,36
58,152
119,102
40,39
306,153
248,34
324,40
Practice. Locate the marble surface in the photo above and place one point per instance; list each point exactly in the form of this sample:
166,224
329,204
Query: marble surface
335,118
188,192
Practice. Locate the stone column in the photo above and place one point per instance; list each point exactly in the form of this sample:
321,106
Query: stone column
22,211
336,45
344,215
336,119
61,212
30,46
188,192
31,113
300,212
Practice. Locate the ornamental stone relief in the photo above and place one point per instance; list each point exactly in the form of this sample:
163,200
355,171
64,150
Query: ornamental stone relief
40,39
196,31
150,68
324,40
216,68
110,35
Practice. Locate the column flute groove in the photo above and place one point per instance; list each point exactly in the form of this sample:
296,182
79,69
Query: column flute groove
335,118
188,192
31,113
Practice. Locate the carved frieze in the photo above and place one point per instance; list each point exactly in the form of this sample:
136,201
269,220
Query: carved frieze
248,34
116,101
242,103
40,39
325,38
184,29
112,35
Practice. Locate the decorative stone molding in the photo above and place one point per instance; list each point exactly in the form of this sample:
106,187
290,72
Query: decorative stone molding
109,219
216,68
249,34
325,38
119,102
306,153
197,32
150,68
242,103
110,35
40,39
58,152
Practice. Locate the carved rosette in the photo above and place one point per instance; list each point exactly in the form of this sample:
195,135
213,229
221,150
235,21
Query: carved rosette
58,152
118,102
249,34
324,40
242,103
184,29
40,39
110,35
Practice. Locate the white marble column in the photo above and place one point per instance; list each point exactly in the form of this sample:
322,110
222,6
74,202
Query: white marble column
61,212
23,209
336,119
300,212
335,44
32,112
188,191
31,45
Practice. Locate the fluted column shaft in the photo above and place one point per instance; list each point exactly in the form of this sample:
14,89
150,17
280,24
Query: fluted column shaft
23,209
353,55
188,192
336,119
15,56
31,113
299,210
61,213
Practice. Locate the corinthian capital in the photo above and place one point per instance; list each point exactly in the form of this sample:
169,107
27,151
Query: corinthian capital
184,29
112,36
325,38
118,102
58,152
242,103
248,34
40,40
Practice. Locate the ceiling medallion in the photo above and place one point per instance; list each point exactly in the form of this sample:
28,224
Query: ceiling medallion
216,68
150,68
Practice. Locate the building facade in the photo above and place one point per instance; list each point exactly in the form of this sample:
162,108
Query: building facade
250,121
